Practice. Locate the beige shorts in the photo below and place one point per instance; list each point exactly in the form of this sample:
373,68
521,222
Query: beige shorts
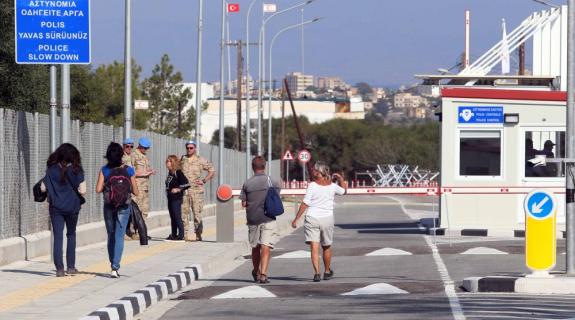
319,230
264,233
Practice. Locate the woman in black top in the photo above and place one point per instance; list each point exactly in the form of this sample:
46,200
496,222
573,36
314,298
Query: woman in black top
176,183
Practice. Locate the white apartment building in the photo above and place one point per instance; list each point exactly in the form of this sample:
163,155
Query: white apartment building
298,83
408,100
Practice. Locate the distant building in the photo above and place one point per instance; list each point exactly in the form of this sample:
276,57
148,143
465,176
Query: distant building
208,90
330,83
298,83
316,111
408,100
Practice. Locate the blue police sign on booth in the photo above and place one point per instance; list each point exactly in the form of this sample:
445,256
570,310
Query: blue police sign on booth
52,31
480,115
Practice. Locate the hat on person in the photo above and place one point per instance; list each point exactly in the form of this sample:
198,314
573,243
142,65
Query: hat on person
128,141
144,142
191,142
548,143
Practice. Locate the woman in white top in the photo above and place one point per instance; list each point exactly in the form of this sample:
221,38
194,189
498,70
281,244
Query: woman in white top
318,225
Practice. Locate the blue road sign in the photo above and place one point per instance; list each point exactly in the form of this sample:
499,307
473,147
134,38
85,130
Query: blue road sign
539,204
52,31
482,115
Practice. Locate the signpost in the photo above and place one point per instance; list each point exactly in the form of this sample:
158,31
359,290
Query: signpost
287,157
52,32
303,157
540,240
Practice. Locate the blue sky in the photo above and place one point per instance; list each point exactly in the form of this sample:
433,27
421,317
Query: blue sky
382,42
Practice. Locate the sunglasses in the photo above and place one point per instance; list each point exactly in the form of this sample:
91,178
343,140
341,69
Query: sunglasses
128,146
190,148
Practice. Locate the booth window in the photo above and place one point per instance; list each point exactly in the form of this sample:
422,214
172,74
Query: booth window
541,146
480,153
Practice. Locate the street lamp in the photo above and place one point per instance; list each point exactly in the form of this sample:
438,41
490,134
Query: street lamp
262,65
128,70
297,25
248,92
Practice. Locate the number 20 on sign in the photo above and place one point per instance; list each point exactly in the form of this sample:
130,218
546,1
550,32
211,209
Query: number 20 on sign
540,239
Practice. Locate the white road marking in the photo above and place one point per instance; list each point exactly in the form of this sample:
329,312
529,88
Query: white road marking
483,250
294,255
378,288
454,303
389,252
246,293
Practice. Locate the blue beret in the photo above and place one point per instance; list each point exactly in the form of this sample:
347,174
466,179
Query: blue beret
144,142
128,141
190,142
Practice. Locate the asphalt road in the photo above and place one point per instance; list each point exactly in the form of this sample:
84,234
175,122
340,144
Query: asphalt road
385,268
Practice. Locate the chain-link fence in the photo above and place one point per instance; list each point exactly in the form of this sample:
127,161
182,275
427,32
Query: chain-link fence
25,147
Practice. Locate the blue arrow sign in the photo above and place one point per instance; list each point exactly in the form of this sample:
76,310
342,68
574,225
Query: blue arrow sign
52,31
539,204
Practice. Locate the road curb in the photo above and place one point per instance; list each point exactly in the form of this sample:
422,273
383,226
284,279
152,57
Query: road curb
135,303
559,284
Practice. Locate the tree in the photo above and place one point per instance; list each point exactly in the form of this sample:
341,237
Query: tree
364,90
230,137
168,98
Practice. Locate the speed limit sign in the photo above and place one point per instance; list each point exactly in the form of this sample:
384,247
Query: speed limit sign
304,156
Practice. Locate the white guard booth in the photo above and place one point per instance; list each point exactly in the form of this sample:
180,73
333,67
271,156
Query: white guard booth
495,144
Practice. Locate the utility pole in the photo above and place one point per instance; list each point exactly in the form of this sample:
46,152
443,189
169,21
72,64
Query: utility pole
53,107
65,117
199,75
222,78
283,133
570,141
240,69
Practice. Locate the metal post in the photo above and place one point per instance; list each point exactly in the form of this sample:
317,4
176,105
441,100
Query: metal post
270,157
302,44
570,148
260,89
53,107
65,119
248,92
199,75
128,70
222,75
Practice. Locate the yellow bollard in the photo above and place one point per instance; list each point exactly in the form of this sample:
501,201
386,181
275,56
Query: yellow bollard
540,238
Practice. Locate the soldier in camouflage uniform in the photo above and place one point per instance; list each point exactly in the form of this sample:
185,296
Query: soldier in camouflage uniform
127,160
192,166
128,148
143,173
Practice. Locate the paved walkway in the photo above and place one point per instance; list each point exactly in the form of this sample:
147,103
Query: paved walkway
30,289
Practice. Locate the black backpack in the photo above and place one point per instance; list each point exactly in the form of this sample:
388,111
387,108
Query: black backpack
39,196
118,188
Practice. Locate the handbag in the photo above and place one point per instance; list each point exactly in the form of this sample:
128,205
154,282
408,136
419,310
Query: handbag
273,205
139,223
39,196
82,199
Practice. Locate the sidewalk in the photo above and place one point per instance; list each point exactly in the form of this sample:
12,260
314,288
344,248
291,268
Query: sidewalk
30,289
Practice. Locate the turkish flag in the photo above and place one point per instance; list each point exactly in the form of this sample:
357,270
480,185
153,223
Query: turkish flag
233,7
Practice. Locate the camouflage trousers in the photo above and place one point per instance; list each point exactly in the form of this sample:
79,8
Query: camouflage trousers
195,201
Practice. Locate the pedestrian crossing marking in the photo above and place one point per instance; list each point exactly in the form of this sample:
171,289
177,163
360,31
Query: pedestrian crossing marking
389,252
299,254
378,288
246,293
483,250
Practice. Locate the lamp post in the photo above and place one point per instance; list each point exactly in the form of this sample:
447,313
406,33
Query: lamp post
248,92
199,75
128,70
262,65
294,26
570,143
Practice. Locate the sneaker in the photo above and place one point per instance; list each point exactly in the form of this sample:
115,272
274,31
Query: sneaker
170,237
60,273
72,271
127,238
135,237
198,237
328,275
317,278
114,274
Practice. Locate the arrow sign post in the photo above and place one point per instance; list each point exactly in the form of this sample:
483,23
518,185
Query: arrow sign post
540,238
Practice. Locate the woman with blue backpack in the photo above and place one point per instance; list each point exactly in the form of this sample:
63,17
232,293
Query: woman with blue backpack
64,184
118,183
